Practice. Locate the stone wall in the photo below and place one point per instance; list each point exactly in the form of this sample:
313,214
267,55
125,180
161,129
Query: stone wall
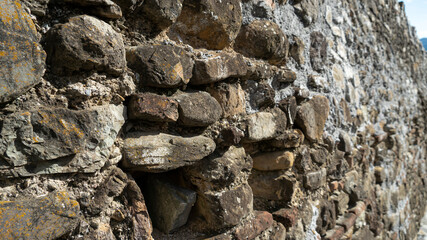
211,119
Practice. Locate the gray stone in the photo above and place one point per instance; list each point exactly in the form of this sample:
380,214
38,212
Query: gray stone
307,10
208,23
345,144
217,67
318,50
314,180
169,206
48,217
162,13
159,152
85,43
260,126
263,39
22,59
311,117
164,66
197,109
101,8
49,141
289,106
37,7
260,94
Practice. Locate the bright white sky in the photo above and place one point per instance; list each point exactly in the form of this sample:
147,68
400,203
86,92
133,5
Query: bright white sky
416,10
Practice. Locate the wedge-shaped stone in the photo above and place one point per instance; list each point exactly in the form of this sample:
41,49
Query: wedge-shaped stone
49,141
48,217
159,152
311,117
22,59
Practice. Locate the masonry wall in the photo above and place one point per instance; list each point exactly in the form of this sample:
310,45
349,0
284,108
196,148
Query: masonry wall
211,119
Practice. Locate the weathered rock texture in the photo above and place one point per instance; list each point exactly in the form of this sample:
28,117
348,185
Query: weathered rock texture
209,119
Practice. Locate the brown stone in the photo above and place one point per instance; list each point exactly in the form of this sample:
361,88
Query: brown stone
231,136
314,180
217,67
22,57
152,107
263,39
48,217
260,94
164,66
271,185
162,13
100,8
297,50
319,156
231,97
271,161
197,109
208,23
249,230
286,216
289,106
345,144
380,175
318,50
311,117
289,139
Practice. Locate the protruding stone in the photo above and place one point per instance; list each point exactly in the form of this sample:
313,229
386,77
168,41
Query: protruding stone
48,217
231,136
345,143
21,56
318,50
197,109
159,152
162,13
260,94
164,66
152,107
297,50
85,43
217,67
101,8
208,24
271,161
217,172
169,206
311,117
263,39
231,97
314,180
271,185
49,141
255,226
289,139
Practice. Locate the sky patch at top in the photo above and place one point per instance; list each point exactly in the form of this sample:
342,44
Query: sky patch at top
416,11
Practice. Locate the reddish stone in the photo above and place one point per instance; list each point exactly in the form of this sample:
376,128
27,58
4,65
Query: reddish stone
262,221
286,216
333,186
152,107
335,234
359,208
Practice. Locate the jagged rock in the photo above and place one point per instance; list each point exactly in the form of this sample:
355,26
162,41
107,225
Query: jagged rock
159,152
169,206
217,172
289,106
255,226
231,97
314,180
270,161
311,117
318,50
287,216
308,10
319,156
37,7
197,109
49,141
231,136
296,50
162,13
271,185
85,43
260,94
263,39
101,8
22,57
344,143
164,66
217,67
48,217
152,107
341,202
265,125
289,139
129,5
226,208
208,23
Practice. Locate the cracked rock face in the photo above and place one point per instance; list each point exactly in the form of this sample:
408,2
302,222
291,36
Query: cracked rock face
22,59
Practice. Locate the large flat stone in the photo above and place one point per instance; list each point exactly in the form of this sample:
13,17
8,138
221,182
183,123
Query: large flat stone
48,217
49,141
159,152
22,59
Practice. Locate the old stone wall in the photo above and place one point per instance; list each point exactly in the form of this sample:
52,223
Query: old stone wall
211,119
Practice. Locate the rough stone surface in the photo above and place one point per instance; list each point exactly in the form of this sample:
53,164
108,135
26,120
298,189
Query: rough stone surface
162,13
159,152
314,180
271,161
261,126
208,24
217,67
231,97
164,66
262,221
169,205
49,141
263,39
296,50
197,109
85,43
318,50
153,107
271,185
311,117
48,217
289,139
22,59
101,8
